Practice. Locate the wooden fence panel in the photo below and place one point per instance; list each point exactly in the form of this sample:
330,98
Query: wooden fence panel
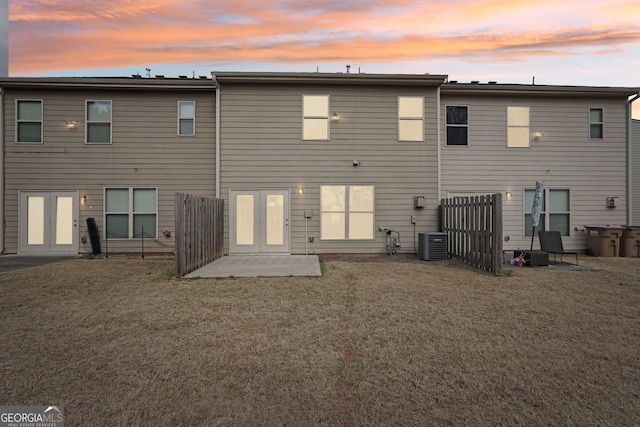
474,228
199,231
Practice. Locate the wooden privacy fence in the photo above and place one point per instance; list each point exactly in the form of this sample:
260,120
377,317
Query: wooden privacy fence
199,231
474,228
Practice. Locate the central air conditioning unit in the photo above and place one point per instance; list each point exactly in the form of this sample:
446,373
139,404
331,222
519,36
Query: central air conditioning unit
433,246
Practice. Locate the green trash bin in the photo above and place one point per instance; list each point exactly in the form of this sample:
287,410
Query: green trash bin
604,240
630,246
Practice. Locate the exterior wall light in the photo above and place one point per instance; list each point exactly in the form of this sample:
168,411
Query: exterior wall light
71,125
537,135
83,199
508,194
334,117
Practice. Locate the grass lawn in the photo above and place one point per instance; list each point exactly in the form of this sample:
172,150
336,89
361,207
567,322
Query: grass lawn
374,341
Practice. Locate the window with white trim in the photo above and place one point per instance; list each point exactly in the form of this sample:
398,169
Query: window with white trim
457,125
29,121
131,213
98,122
518,134
596,123
186,118
555,213
315,117
347,212
410,118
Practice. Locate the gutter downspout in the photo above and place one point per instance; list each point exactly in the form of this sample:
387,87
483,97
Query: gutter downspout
439,136
217,86
629,159
2,217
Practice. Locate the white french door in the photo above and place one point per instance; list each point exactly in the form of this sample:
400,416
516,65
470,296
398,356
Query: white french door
259,222
48,222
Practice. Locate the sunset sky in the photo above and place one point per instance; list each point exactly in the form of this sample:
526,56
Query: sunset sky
583,42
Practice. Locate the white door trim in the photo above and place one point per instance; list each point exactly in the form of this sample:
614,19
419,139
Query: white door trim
255,234
49,241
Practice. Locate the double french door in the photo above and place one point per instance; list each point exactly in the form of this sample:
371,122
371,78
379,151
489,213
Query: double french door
259,222
48,222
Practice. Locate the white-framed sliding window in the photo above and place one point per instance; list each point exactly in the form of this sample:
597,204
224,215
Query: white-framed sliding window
410,118
98,122
347,212
131,212
186,118
315,117
29,121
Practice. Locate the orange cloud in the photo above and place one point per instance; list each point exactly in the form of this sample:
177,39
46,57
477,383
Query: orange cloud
75,34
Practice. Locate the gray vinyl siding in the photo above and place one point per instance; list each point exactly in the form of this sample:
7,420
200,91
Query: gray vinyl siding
145,152
262,148
564,158
635,172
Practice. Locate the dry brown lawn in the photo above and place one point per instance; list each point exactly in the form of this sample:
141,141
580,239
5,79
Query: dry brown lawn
375,341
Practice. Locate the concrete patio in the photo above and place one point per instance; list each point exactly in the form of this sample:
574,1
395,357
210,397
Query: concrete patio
260,266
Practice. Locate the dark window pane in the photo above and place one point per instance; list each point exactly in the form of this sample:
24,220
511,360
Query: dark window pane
117,226
30,110
528,228
186,127
559,222
596,131
146,222
29,132
457,115
456,135
99,133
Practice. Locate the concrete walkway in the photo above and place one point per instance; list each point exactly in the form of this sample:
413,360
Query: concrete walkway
260,266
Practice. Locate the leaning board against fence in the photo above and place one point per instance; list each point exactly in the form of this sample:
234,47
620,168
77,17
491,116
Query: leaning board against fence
199,231
474,228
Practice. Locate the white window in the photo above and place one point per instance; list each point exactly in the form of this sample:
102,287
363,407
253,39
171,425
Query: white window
596,123
347,212
186,118
29,121
457,125
518,127
315,120
130,213
555,214
98,122
410,118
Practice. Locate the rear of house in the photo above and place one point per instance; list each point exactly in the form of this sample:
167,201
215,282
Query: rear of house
305,162
323,163
504,138
115,150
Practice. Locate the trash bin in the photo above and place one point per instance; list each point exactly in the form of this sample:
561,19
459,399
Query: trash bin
630,246
604,240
